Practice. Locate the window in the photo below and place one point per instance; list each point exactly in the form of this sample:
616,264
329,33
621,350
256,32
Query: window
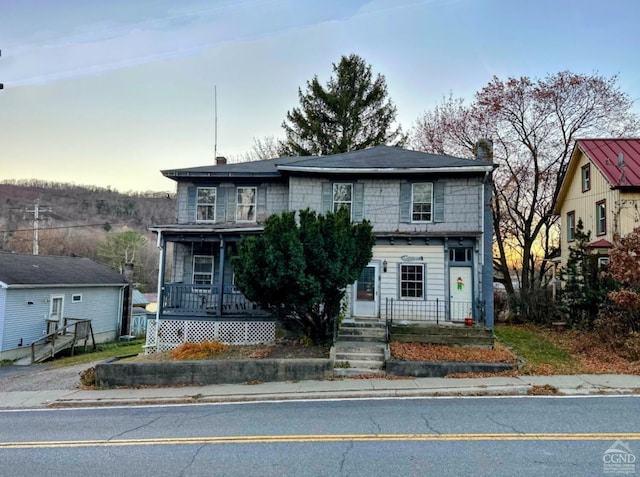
246,209
571,226
460,255
202,269
601,218
342,197
421,201
411,281
603,262
586,177
76,298
206,204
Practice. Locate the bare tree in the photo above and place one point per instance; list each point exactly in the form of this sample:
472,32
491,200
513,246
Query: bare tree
533,124
269,147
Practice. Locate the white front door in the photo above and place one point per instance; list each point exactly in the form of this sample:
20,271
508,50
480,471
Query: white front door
461,293
55,312
367,292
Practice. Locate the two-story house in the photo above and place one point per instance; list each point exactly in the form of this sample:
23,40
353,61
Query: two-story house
602,188
432,260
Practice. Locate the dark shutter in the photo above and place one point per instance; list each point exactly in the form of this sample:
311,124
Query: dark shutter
221,203
261,203
191,204
232,198
327,197
405,202
358,202
438,201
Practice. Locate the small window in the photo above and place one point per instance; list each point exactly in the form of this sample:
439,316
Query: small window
342,197
460,255
206,204
246,209
411,281
601,218
421,202
202,270
571,226
586,177
603,262
77,298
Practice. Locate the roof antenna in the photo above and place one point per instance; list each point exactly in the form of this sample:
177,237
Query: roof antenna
215,123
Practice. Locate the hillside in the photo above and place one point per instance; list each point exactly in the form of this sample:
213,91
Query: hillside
74,219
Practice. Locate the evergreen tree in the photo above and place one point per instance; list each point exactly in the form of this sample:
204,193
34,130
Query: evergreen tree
352,112
300,271
585,287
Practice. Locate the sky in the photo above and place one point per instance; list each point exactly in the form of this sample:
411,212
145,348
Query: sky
109,93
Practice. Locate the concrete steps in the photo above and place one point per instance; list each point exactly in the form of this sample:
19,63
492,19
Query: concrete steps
476,336
360,348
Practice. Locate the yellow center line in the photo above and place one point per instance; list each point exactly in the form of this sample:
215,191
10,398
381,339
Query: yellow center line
631,436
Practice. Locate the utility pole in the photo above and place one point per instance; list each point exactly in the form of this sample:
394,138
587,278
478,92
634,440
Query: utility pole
36,217
1,85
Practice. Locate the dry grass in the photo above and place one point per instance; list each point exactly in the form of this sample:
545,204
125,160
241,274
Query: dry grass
438,353
202,350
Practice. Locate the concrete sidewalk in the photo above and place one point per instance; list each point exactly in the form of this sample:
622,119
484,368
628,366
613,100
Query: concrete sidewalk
339,388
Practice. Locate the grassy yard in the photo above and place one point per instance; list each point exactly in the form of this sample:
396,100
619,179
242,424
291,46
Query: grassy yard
570,352
103,351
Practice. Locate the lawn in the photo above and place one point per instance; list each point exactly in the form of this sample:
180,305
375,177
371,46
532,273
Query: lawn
103,351
546,351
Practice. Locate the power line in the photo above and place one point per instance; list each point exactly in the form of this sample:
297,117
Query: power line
65,227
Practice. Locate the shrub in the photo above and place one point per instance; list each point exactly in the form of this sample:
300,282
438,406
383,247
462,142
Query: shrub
632,346
202,350
88,377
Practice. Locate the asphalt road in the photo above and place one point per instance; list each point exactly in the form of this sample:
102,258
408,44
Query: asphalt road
522,436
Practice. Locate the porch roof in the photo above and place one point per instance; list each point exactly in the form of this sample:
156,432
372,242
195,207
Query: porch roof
204,232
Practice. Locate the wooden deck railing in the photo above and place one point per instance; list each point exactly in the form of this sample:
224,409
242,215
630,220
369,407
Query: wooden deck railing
58,338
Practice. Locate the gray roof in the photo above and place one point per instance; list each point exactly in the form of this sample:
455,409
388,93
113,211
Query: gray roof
19,269
138,298
379,159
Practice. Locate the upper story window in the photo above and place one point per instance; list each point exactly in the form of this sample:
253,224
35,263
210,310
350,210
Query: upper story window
421,202
202,269
206,204
571,226
343,197
460,254
246,208
412,281
586,177
601,217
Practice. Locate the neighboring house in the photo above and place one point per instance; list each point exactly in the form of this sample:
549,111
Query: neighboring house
139,313
432,260
38,292
602,188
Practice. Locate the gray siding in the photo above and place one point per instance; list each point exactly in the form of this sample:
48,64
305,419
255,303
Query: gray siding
102,305
272,198
457,206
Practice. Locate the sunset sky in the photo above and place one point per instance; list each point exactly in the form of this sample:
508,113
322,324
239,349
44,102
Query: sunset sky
108,93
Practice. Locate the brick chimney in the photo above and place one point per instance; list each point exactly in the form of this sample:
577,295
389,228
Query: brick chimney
483,150
221,161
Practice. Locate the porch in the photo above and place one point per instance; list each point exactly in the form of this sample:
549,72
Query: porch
205,300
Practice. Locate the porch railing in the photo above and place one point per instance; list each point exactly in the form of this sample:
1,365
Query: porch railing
434,311
180,298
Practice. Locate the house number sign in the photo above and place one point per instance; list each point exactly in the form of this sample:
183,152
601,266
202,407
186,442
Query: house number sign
407,258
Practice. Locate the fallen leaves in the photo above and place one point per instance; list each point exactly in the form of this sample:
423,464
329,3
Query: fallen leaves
439,353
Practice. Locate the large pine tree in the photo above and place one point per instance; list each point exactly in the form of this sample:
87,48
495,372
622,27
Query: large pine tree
352,112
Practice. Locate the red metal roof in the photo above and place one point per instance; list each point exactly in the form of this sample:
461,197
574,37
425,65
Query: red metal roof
602,243
604,154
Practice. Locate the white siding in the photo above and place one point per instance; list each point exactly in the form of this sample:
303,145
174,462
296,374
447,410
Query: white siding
432,257
3,302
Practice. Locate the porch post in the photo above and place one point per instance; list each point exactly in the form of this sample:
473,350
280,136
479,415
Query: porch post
161,266
221,276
